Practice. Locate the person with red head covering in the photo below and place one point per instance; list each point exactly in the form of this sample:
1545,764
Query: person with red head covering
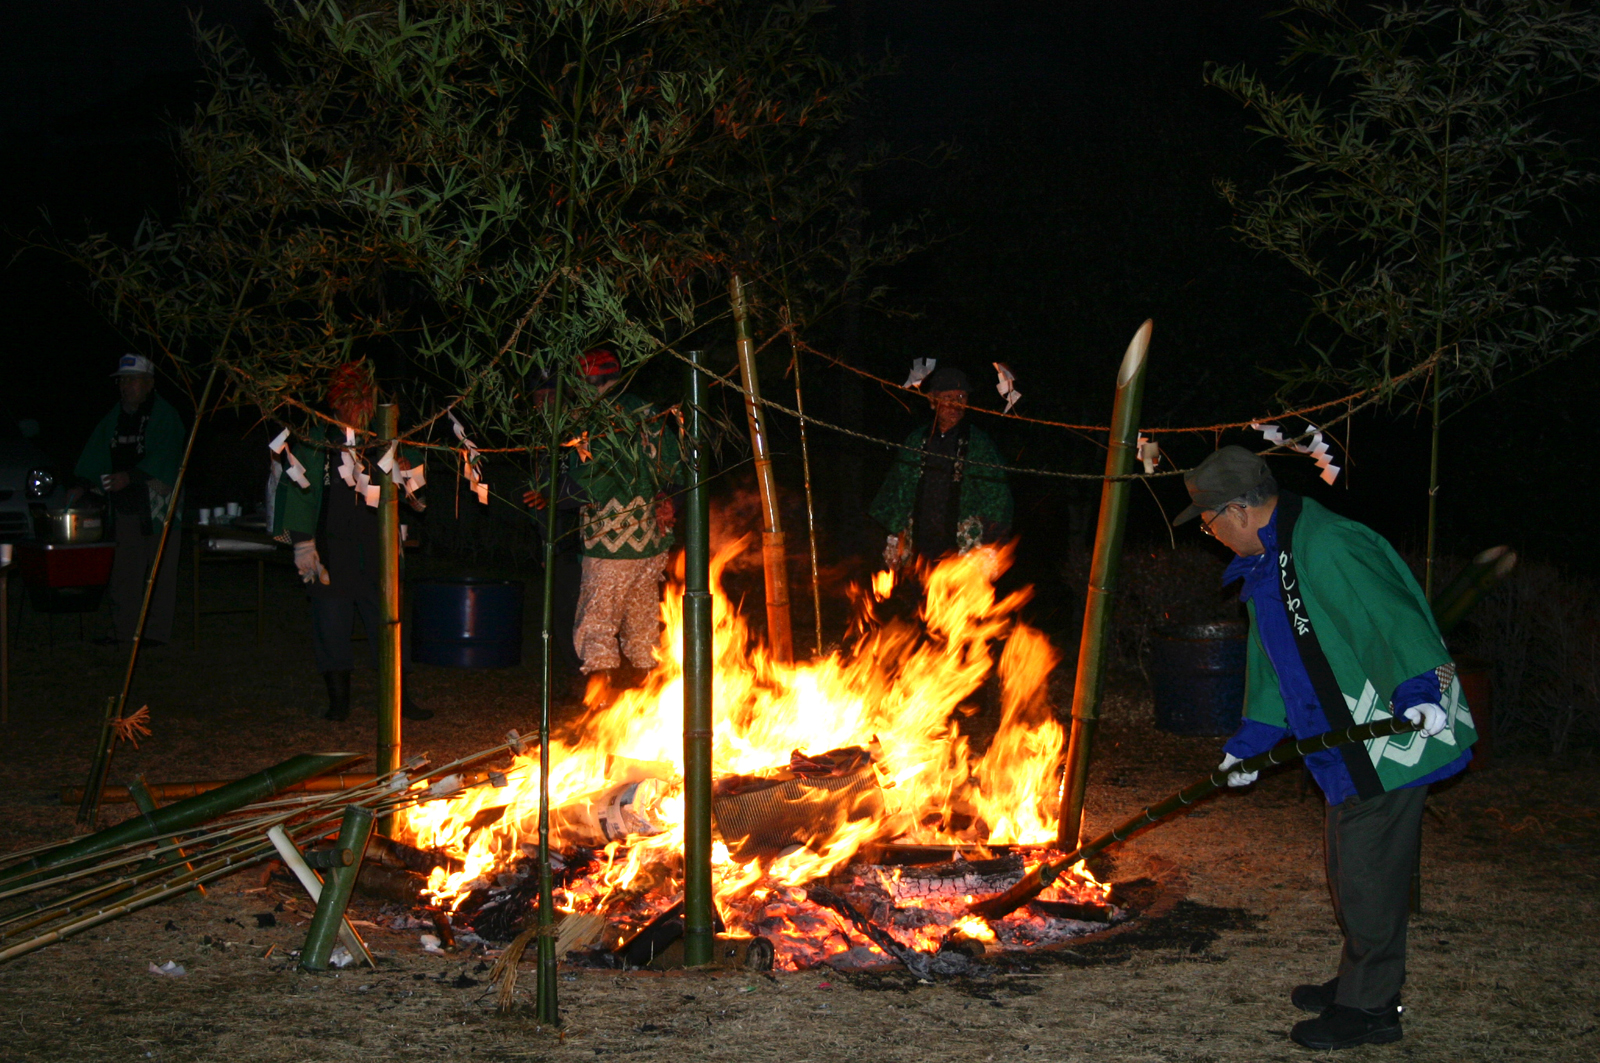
621,485
334,533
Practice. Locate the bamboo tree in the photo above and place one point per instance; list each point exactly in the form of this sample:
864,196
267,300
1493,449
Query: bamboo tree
1426,193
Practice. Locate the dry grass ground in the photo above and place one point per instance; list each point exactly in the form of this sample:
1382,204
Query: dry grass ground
1502,958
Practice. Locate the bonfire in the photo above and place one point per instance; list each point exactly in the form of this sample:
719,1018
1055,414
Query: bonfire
850,772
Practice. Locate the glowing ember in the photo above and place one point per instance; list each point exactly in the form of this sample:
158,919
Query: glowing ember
616,788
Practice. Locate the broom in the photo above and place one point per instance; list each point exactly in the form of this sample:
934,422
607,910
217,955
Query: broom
572,931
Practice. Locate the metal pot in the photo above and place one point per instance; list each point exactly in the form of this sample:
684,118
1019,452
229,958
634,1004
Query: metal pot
76,524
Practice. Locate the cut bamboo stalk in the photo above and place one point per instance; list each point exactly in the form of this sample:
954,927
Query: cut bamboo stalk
390,651
179,816
1089,688
1479,577
295,861
167,792
147,806
805,468
328,921
774,551
699,930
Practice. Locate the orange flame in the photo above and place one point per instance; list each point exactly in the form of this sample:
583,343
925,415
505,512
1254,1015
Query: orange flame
896,690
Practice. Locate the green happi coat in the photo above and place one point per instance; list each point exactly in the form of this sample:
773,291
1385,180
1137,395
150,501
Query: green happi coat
984,500
1376,630
632,458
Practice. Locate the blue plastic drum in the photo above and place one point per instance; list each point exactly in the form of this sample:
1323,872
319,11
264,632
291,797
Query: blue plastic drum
1197,677
467,622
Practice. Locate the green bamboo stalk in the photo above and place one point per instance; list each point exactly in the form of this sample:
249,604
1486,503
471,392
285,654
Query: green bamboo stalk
390,650
179,816
1472,583
1089,688
89,811
774,550
546,1008
1036,881
328,920
805,467
147,806
698,923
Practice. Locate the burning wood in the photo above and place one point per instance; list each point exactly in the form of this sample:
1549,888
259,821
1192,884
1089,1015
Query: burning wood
889,712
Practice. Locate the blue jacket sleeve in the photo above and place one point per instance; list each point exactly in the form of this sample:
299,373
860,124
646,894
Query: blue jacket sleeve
1419,690
1254,737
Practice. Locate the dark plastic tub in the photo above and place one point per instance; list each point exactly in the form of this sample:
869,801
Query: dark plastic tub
467,622
1197,677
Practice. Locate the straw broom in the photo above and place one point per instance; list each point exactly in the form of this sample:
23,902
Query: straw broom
572,932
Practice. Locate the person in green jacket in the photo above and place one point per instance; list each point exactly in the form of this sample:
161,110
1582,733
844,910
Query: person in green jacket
1340,634
943,494
624,473
133,456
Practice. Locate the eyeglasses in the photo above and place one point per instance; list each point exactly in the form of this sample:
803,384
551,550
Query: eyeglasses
1205,525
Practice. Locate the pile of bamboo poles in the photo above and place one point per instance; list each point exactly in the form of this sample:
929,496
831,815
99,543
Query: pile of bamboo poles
51,892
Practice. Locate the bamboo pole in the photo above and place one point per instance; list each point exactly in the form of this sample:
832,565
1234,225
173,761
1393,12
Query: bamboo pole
295,861
546,1008
1089,688
328,921
147,806
698,922
89,810
1477,579
390,650
181,816
774,553
163,792
1035,881
805,465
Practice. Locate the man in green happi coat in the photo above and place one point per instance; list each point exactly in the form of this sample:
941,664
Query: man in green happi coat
1340,634
944,493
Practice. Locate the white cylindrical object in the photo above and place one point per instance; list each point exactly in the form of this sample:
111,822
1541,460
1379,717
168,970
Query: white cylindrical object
203,516
308,878
234,509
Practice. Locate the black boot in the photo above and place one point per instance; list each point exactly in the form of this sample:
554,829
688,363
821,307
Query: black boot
1319,998
410,709
338,695
1346,1027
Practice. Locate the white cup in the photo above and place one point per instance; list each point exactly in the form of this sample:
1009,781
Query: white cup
234,509
203,516
5,553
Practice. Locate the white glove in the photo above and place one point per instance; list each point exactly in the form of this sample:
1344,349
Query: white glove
1430,718
1236,778
308,564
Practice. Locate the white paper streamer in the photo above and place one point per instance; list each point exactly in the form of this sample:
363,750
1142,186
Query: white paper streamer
1149,452
920,368
469,457
296,471
1007,386
1318,449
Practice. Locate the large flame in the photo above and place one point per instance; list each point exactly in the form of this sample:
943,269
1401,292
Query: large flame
896,690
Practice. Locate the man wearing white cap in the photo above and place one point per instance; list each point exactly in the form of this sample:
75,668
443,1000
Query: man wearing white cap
133,456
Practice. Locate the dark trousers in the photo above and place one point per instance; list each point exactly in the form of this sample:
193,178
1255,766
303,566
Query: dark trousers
130,569
332,624
1372,850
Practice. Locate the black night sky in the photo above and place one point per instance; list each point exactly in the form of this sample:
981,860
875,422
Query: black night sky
1079,202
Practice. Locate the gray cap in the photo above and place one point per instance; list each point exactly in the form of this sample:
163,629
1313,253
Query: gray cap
1225,475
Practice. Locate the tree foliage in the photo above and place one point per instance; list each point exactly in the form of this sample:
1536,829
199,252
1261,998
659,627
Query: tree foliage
1427,198
472,193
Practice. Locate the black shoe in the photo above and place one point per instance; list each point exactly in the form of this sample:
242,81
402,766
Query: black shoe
1345,1027
410,710
338,696
1319,998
